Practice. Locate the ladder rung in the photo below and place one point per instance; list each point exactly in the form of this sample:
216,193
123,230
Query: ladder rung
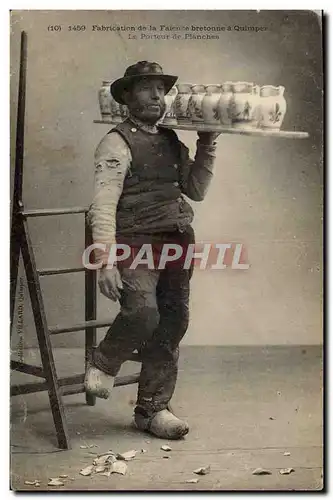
59,270
68,385
79,379
72,389
16,390
127,379
37,371
42,212
68,390
72,380
80,326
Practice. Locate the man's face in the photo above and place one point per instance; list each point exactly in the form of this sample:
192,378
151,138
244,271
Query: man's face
145,100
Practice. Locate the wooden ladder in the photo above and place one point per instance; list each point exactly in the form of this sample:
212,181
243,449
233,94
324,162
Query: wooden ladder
20,241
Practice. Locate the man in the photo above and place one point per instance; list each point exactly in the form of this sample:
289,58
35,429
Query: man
141,172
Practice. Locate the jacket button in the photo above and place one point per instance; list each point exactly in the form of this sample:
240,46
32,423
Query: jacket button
133,129
180,199
176,184
175,165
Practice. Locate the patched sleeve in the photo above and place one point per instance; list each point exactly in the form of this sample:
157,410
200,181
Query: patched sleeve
112,161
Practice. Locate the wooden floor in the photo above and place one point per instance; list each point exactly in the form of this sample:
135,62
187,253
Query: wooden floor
246,407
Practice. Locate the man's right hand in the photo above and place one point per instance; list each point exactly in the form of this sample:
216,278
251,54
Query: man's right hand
110,283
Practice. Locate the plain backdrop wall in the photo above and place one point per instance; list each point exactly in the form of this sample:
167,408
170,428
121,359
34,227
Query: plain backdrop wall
266,193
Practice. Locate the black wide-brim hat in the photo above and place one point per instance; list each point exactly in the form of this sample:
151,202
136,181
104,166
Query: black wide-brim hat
142,69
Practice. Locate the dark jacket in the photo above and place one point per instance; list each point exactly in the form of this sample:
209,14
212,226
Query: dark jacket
151,200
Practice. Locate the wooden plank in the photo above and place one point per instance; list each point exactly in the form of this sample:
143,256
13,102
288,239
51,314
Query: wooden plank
55,330
44,341
106,122
43,212
60,270
36,371
90,285
254,132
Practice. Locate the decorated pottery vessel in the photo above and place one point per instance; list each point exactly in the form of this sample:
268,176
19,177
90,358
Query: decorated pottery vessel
256,100
123,111
223,106
116,111
104,97
241,105
273,107
194,109
210,104
169,116
181,102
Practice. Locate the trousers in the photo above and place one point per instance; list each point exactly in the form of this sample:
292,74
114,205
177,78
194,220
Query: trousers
153,318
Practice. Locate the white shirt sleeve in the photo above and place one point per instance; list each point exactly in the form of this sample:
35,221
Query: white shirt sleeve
112,161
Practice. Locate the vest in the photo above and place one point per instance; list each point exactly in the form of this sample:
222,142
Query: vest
151,200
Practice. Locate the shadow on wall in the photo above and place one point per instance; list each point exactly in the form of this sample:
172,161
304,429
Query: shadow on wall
266,193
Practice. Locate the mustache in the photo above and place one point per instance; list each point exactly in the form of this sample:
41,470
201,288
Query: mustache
139,108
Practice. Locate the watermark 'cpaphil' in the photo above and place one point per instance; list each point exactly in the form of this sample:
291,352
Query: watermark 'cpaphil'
158,256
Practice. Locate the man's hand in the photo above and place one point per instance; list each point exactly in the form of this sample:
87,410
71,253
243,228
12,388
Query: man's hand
110,283
208,138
